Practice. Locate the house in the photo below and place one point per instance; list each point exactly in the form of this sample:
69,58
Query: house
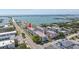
51,34
39,29
56,28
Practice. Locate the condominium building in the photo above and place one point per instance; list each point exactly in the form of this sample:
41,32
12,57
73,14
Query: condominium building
7,36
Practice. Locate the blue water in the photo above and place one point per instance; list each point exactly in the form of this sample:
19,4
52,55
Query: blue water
39,19
42,19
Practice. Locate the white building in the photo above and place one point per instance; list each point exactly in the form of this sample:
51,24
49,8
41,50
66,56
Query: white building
7,39
7,36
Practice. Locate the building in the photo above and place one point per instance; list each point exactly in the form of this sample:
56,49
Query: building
51,34
31,30
41,35
56,28
7,36
38,31
63,44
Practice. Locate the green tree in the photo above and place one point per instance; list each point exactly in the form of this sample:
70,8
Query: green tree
23,46
44,25
60,36
17,33
23,35
16,43
36,39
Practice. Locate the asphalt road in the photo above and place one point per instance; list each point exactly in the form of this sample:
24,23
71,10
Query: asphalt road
27,39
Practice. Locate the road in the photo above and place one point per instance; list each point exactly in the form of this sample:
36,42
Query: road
73,35
27,39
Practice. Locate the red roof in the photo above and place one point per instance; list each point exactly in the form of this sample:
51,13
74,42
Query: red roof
29,25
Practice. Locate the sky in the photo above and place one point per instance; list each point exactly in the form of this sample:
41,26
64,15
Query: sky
37,11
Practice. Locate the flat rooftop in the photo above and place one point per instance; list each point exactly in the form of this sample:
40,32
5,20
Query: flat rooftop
6,30
6,42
